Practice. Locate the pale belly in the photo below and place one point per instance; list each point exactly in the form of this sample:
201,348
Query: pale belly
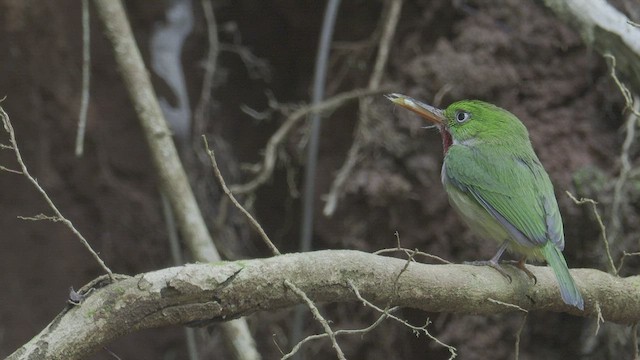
483,224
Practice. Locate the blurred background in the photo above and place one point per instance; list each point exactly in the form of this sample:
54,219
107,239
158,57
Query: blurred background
515,54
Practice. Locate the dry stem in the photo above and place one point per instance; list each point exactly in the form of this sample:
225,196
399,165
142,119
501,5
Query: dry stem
603,230
393,16
416,329
8,127
255,224
268,165
318,317
86,77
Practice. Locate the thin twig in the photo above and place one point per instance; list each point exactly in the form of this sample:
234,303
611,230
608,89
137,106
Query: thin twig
10,170
363,331
631,103
115,356
268,165
626,93
41,217
520,328
410,258
235,202
634,341
318,317
624,256
416,329
514,306
86,76
415,252
630,127
409,252
519,335
389,28
599,318
603,230
8,127
210,68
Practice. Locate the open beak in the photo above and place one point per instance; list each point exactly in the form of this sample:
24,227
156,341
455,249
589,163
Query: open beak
428,112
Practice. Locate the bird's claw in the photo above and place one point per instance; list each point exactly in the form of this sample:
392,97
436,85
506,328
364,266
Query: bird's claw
521,265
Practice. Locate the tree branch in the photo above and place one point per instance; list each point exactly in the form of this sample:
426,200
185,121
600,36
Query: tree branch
605,29
199,294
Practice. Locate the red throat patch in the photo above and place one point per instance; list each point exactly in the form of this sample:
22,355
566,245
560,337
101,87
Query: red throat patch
446,139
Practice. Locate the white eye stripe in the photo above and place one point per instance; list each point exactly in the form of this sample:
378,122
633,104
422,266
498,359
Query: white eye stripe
462,116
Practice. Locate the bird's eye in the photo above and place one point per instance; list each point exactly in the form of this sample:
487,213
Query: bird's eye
462,116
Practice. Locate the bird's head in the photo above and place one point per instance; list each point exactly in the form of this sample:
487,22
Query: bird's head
468,121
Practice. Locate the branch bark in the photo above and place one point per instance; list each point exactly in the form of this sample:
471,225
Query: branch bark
605,29
199,294
173,179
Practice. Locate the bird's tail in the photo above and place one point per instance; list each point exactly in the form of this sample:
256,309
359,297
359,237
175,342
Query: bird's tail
568,290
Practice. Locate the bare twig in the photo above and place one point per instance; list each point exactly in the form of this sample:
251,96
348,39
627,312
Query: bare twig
634,341
86,77
514,306
257,67
318,317
630,129
404,268
415,329
41,217
115,356
414,252
199,118
599,318
626,93
633,104
393,15
362,331
235,202
624,256
520,328
389,29
268,165
8,127
603,230
408,252
10,170
519,335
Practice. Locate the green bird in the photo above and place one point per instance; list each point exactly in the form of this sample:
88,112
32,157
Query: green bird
497,184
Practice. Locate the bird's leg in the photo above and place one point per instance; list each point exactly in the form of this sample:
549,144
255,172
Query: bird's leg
494,261
520,264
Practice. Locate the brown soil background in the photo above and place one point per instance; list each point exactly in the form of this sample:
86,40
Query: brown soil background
513,53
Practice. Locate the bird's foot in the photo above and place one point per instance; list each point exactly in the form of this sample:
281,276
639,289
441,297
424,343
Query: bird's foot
520,264
491,263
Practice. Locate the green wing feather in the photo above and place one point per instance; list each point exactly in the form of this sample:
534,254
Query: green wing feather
514,189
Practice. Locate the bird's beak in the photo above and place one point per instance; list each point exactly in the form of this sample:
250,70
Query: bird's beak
428,112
